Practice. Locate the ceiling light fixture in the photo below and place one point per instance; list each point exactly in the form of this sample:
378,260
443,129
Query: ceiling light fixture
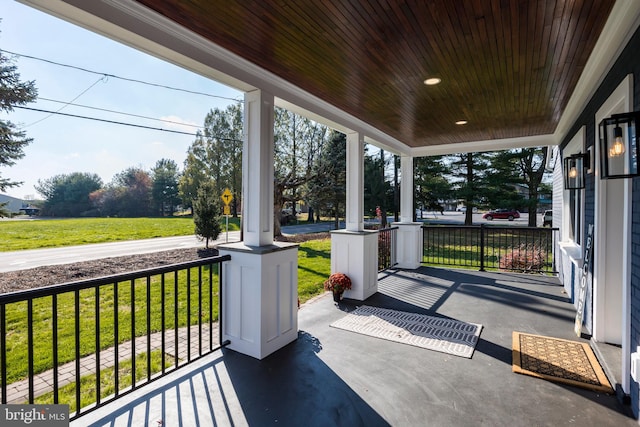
461,122
432,81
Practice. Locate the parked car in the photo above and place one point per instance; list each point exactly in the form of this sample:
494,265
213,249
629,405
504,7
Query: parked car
547,218
509,214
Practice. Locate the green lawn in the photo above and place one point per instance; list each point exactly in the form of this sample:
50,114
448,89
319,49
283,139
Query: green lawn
49,233
313,268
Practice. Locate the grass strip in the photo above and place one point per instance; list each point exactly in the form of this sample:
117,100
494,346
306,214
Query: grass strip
67,393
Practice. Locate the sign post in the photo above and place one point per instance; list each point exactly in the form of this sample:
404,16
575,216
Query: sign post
227,197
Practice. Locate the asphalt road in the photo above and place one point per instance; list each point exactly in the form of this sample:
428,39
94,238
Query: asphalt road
20,260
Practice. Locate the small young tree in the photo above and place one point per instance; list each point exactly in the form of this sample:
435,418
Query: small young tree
206,212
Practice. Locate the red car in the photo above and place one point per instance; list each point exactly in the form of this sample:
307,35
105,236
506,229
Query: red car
509,214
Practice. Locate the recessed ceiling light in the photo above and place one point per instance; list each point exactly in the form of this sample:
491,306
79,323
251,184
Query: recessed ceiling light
432,81
461,122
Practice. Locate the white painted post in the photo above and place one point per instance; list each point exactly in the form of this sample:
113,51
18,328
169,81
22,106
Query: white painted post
354,251
355,182
410,239
260,283
257,169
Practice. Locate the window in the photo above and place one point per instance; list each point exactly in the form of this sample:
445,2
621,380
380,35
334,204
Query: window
573,200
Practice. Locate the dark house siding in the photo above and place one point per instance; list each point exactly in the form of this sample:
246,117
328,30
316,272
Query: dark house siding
627,63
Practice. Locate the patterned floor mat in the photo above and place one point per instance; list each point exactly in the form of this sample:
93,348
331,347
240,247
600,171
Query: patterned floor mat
430,332
555,359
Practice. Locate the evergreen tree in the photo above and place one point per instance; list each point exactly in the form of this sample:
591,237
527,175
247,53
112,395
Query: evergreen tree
164,189
206,212
431,186
378,192
13,92
469,171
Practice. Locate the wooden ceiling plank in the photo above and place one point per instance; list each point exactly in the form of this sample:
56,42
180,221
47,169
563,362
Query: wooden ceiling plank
509,65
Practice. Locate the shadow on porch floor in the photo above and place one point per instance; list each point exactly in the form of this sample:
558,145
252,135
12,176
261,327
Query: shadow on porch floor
334,377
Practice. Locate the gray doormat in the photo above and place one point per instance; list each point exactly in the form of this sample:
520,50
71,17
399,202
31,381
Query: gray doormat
430,332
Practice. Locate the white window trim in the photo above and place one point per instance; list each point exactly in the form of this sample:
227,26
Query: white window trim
572,249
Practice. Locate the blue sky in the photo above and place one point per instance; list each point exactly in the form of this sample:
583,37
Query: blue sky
63,144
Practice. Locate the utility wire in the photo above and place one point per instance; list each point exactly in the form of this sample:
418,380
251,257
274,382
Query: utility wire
122,113
118,77
67,103
121,123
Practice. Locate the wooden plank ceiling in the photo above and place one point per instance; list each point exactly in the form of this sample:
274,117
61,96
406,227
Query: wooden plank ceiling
507,67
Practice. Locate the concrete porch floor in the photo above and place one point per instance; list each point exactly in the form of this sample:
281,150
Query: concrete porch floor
331,377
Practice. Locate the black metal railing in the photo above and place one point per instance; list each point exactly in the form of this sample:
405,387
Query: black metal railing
523,249
387,238
87,343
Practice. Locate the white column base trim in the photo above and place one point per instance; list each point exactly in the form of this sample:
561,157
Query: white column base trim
355,253
409,245
260,297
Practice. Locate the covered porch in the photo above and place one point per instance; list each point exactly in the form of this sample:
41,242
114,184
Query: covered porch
311,373
330,376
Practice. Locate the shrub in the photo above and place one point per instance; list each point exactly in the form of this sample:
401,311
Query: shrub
526,258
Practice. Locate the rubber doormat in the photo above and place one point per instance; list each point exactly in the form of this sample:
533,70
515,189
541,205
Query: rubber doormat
434,333
555,359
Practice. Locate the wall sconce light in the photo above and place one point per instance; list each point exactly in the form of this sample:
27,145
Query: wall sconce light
574,171
619,146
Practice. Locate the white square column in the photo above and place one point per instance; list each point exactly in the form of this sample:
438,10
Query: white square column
259,297
409,246
355,182
354,251
257,169
410,237
260,283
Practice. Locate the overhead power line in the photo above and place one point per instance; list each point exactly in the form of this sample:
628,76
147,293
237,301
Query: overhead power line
121,113
119,77
120,123
68,103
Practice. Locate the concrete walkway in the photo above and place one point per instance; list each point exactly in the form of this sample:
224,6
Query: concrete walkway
18,392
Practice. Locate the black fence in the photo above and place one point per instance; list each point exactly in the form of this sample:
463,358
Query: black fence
387,238
521,249
87,343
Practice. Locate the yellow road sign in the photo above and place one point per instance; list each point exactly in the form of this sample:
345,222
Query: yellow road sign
226,210
227,197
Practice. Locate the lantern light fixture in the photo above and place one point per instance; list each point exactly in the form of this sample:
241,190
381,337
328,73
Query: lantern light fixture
574,171
619,146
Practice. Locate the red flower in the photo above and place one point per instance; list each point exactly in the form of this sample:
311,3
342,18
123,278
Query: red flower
337,282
